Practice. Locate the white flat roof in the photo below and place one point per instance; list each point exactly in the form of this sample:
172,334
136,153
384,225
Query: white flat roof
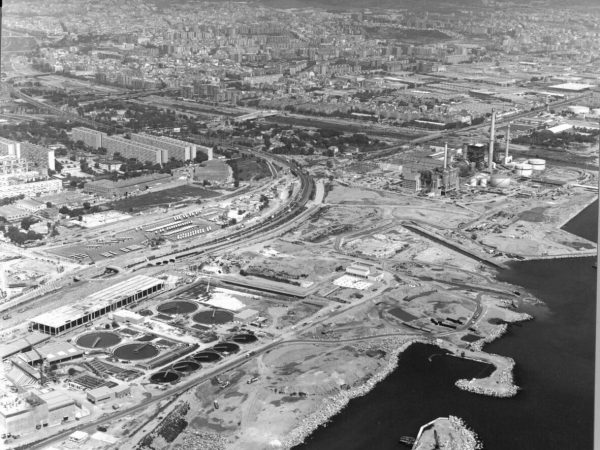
97,301
560,128
572,86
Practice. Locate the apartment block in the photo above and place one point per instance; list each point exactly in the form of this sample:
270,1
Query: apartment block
39,158
130,149
89,137
180,150
10,148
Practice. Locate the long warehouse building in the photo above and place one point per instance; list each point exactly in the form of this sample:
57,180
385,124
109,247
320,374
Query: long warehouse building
93,306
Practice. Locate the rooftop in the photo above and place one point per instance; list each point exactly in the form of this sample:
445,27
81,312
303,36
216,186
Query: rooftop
96,301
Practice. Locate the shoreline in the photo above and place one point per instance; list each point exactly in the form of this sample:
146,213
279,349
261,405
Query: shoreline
572,216
334,405
502,377
454,432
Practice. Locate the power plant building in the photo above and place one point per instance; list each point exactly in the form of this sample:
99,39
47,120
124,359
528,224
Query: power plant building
121,294
24,414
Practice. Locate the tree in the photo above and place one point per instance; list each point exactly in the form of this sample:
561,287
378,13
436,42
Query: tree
48,204
26,222
64,210
86,205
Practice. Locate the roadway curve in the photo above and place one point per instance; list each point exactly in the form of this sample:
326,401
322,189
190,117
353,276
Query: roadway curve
284,218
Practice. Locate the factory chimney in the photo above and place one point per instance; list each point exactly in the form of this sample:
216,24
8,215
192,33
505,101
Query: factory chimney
445,156
492,138
507,143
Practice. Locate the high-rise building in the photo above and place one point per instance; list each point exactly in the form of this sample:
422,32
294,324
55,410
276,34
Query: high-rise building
130,149
89,137
180,150
39,158
10,148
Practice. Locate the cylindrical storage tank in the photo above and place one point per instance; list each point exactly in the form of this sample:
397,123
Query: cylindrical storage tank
483,182
537,164
524,170
500,181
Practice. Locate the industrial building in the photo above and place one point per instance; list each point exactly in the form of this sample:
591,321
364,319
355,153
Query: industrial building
246,315
31,189
103,393
12,213
22,344
364,271
24,414
53,353
109,188
121,294
30,205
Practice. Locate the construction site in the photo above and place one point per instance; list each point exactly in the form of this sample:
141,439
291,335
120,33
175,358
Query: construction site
247,317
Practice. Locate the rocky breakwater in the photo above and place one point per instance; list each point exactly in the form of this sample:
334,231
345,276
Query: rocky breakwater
447,433
333,405
498,384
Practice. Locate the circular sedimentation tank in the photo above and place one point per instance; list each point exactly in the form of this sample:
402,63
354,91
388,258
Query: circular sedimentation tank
165,376
213,317
177,307
186,366
206,356
501,181
98,339
135,351
147,337
226,347
244,338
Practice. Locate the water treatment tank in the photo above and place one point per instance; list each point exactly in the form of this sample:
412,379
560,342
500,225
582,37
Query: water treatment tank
537,165
524,170
500,181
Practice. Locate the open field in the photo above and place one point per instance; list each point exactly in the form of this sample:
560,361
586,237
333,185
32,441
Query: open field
164,197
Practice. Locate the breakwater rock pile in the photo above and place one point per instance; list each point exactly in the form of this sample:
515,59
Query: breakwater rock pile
499,384
447,433
333,405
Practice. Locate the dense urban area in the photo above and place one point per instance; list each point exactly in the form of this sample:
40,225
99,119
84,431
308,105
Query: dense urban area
222,221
